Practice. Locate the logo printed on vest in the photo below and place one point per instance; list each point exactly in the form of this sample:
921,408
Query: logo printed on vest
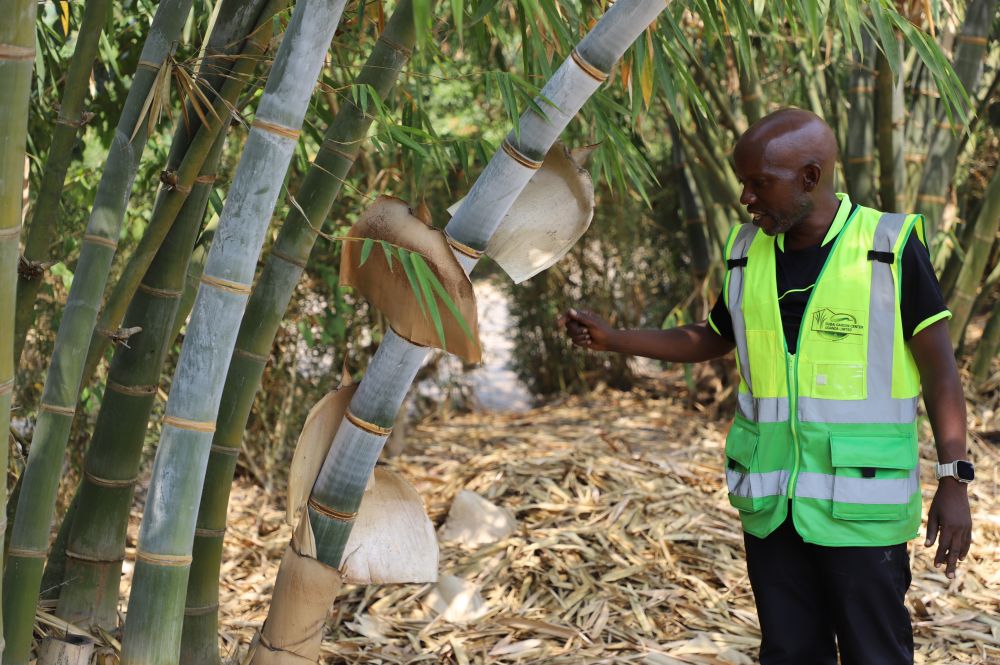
836,326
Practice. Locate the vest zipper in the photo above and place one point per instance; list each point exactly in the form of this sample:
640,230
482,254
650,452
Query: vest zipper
791,376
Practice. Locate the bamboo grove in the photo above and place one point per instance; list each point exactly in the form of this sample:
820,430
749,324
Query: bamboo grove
175,315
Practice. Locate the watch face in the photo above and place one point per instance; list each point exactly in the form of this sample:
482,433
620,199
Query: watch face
965,471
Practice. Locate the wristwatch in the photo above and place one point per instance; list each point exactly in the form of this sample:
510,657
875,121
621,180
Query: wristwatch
961,470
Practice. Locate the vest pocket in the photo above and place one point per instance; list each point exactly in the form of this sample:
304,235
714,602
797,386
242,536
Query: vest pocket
839,381
746,493
875,476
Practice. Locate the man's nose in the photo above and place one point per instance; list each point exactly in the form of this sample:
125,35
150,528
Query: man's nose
747,197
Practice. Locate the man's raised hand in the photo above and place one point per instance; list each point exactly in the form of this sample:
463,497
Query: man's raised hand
587,329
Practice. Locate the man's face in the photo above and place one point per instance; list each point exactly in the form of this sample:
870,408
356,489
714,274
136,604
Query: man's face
774,194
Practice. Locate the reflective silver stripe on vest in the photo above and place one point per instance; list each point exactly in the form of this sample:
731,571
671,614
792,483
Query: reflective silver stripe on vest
843,489
736,281
880,407
756,485
762,409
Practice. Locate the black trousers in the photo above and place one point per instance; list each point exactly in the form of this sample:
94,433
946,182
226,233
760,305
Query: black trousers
812,599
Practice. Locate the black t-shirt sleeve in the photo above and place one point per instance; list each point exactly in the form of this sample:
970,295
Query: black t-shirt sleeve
920,301
720,320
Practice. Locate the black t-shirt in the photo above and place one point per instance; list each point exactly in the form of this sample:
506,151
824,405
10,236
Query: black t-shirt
796,272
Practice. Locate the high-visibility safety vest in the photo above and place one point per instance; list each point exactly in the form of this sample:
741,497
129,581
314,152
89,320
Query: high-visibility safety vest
833,426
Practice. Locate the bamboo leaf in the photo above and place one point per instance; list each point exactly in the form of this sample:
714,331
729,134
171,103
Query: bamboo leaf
485,7
448,302
411,276
387,250
422,270
366,249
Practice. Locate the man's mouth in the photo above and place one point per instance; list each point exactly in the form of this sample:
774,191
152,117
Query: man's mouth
756,217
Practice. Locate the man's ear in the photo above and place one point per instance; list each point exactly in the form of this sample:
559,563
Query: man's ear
810,176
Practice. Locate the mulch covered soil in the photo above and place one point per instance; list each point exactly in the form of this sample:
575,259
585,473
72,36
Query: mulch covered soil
627,550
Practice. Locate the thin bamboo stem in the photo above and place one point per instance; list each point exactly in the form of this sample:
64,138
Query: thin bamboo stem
29,538
282,271
860,160
163,557
17,52
963,297
989,345
889,130
41,228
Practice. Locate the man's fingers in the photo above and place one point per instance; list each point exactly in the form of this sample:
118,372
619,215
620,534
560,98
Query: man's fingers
966,544
932,528
953,549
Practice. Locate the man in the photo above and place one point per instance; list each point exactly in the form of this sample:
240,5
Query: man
837,319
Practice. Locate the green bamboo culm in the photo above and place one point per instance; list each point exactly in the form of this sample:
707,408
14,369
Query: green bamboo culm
942,155
349,464
986,351
860,151
282,271
226,41
889,129
41,227
191,144
963,296
163,556
30,533
96,545
17,55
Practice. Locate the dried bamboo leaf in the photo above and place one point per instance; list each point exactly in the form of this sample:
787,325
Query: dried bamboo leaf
390,291
456,600
474,521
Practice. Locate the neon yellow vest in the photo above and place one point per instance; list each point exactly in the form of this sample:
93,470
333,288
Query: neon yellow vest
833,426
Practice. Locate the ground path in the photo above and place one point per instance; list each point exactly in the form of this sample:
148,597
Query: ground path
628,550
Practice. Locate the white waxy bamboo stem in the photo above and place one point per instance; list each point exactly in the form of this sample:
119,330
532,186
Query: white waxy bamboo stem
163,557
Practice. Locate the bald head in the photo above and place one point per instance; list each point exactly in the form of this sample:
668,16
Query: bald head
793,139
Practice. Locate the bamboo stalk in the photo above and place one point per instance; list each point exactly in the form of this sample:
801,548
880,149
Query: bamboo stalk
989,345
963,297
41,228
889,123
17,54
96,543
29,538
282,271
861,125
337,493
188,151
163,557
228,35
942,155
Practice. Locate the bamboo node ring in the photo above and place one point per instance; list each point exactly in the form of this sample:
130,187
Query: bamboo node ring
973,39
13,52
331,146
108,482
251,355
193,425
930,198
163,559
398,48
99,240
207,179
407,339
160,293
330,512
93,559
149,64
226,285
12,232
59,410
25,553
210,533
520,158
589,69
225,450
462,248
199,611
279,130
371,428
288,258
